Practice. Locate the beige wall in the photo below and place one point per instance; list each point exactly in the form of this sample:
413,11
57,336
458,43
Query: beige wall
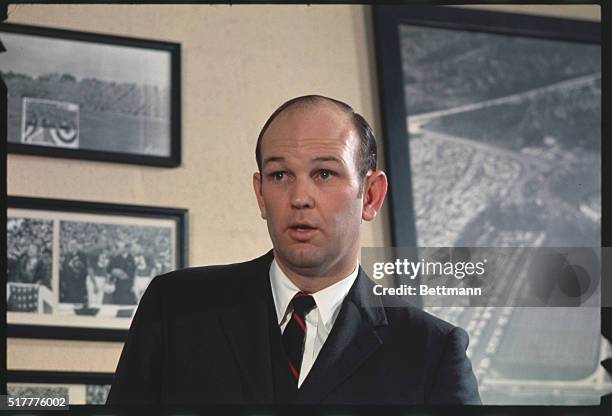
238,64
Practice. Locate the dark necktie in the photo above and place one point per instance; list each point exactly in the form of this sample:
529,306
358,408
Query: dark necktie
295,332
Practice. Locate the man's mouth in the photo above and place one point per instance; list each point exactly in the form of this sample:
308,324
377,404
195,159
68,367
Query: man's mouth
302,231
302,227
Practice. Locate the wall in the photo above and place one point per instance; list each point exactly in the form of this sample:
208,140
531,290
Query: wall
238,64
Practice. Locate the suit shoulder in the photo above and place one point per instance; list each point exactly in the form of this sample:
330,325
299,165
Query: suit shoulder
419,320
412,329
204,282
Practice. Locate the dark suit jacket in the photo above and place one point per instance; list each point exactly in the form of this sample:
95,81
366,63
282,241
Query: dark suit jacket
200,335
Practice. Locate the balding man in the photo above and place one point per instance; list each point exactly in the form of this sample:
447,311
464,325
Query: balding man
301,323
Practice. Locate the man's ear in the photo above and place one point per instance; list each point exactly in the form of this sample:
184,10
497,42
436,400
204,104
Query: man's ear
258,195
375,189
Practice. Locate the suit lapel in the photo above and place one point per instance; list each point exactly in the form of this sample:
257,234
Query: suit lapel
352,341
246,325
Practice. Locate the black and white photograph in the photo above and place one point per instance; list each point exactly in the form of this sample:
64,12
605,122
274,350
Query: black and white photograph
523,134
79,388
108,266
29,265
502,148
91,96
85,266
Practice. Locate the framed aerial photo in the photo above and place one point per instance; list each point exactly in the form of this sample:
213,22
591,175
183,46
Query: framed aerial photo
79,388
91,96
492,127
77,270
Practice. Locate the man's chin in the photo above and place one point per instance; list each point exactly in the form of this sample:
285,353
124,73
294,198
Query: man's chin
303,257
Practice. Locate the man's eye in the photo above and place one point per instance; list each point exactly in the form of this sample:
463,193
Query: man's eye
278,176
325,174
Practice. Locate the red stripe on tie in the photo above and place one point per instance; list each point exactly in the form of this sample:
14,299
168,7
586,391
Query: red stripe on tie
299,321
296,375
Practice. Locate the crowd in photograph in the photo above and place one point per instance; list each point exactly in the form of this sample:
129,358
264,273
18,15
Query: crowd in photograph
98,263
110,263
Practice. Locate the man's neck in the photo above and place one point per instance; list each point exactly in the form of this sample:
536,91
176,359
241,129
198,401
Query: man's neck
313,284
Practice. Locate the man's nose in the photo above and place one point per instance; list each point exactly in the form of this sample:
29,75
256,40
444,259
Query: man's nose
301,194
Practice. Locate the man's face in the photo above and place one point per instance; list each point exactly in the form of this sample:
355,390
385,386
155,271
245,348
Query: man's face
72,246
121,247
32,250
309,189
137,250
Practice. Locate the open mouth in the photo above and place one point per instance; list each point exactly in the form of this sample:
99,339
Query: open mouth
302,232
302,227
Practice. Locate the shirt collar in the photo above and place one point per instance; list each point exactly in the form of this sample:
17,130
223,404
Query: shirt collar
328,300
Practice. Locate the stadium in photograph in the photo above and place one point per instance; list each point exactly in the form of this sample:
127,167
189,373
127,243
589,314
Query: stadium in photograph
505,151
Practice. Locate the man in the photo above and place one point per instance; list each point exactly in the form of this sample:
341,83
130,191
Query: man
29,268
32,267
145,268
97,269
301,323
73,275
143,261
122,269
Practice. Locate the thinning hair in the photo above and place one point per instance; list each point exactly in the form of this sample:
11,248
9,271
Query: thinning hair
366,151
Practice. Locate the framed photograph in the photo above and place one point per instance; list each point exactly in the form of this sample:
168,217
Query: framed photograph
79,388
492,129
77,270
92,96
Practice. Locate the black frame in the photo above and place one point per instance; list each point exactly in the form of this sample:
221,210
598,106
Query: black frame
390,80
174,49
91,333
58,377
63,377
386,21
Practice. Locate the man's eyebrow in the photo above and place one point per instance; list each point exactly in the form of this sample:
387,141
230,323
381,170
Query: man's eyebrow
328,159
316,159
273,159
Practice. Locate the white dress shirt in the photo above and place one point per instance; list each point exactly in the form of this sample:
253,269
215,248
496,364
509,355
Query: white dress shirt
319,321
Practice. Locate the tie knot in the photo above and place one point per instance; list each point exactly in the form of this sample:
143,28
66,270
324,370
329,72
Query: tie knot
302,303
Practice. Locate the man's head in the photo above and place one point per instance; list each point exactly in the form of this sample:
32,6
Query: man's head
316,183
137,249
73,246
32,250
103,259
366,151
122,247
